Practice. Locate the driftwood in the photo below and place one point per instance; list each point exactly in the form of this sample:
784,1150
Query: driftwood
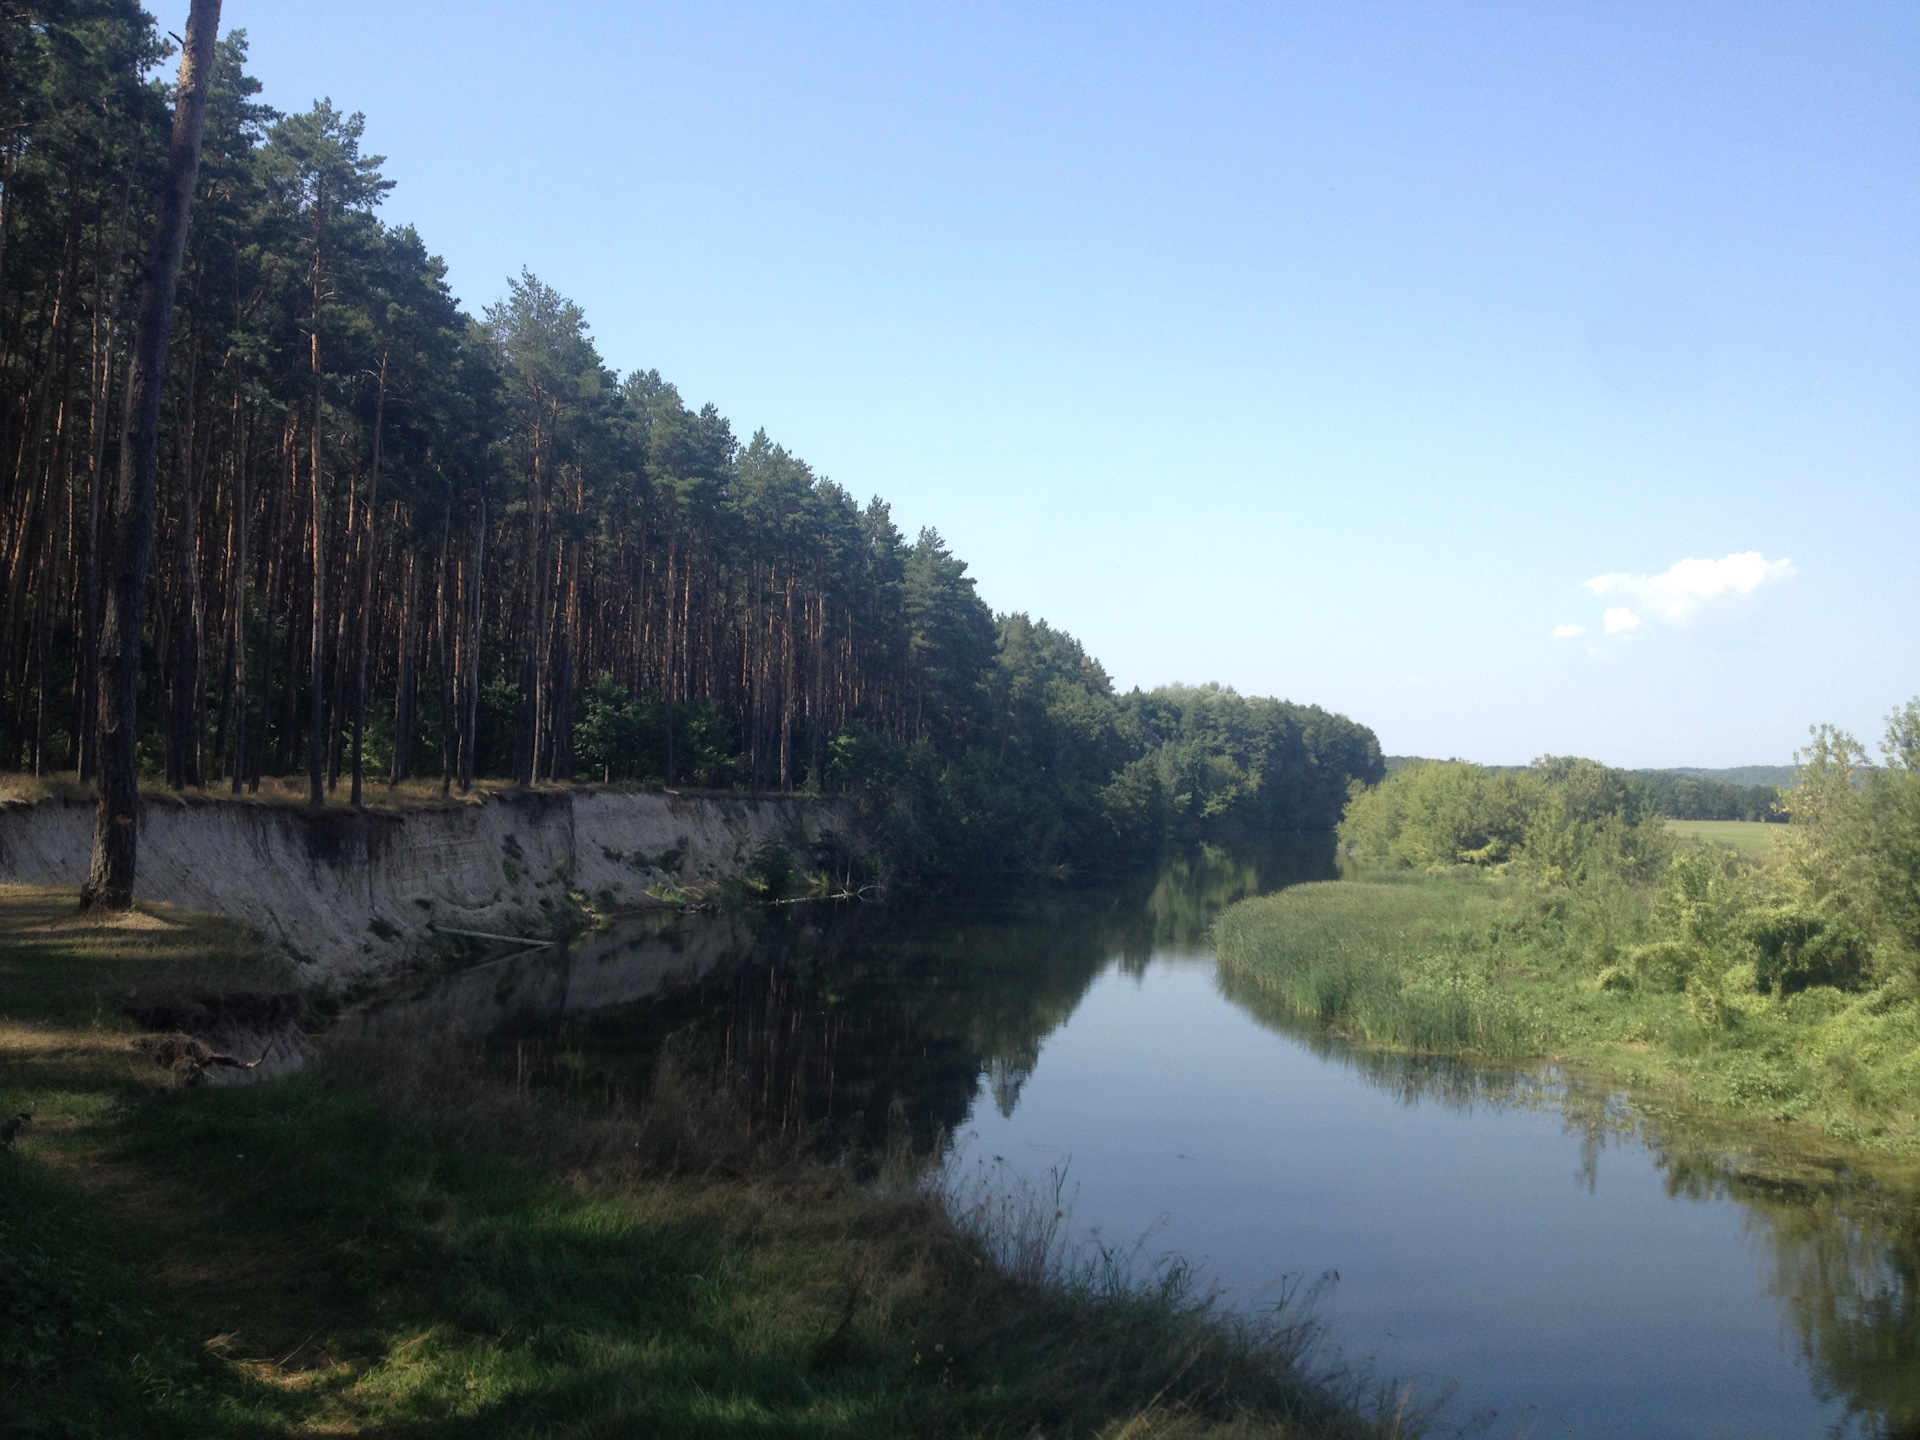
841,894
489,935
190,1057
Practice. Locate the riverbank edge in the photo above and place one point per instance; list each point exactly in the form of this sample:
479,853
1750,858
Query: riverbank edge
1840,1070
401,1242
357,896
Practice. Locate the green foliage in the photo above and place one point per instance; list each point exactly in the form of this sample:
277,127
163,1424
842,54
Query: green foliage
1781,980
1056,774
1563,820
1855,847
620,736
1227,764
1797,947
1404,964
1700,797
771,868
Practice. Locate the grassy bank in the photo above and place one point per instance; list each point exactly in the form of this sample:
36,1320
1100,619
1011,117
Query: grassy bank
393,1244
1496,967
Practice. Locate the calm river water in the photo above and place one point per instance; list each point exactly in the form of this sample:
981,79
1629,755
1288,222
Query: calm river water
1568,1264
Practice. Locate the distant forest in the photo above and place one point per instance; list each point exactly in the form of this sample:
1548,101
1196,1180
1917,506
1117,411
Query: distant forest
1694,795
1747,792
400,542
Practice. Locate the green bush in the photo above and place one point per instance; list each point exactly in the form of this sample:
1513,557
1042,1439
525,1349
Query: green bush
1796,947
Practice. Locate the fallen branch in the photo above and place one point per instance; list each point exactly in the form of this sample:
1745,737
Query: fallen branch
488,935
190,1056
860,894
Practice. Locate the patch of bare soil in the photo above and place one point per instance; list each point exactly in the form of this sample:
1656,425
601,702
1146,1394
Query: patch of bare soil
95,920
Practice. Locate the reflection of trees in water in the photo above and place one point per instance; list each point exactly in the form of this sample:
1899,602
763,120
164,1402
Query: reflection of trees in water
1845,1241
1846,1264
842,1022
835,1020
1190,890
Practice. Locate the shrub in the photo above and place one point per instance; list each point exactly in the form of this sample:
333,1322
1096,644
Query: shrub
1797,947
1664,965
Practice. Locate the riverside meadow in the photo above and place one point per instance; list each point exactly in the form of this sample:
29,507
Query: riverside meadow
1553,912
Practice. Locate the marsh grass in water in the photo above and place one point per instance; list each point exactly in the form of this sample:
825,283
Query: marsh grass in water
1404,962
401,1242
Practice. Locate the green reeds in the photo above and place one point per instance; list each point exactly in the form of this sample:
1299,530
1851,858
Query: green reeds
1400,962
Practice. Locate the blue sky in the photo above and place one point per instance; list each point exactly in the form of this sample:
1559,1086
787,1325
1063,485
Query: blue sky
1327,351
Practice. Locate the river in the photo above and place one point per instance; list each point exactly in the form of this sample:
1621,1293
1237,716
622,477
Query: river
1556,1257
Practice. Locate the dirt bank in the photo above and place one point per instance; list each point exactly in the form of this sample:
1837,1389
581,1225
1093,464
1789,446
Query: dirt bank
356,895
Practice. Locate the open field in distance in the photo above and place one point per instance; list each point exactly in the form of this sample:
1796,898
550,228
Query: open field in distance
1755,837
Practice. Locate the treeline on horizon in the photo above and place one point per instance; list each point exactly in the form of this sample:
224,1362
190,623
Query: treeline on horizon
1677,795
399,542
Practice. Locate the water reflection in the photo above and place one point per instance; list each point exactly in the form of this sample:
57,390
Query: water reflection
1843,1239
843,1024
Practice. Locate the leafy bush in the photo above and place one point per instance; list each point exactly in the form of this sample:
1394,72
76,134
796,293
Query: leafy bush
1797,947
771,868
1563,820
619,736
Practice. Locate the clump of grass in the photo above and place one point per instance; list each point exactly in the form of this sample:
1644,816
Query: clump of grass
17,787
1401,962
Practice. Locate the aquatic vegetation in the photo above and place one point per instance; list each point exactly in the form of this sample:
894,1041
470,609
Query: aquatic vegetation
1406,963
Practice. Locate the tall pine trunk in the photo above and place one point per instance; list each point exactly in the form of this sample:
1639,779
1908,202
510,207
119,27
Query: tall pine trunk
366,597
117,822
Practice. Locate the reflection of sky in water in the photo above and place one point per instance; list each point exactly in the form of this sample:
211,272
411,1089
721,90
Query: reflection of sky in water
1470,1243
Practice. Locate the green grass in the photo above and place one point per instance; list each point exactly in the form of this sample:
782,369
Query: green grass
1750,837
397,1244
1401,964
1474,966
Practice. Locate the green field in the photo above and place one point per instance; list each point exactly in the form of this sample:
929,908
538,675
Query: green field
1752,837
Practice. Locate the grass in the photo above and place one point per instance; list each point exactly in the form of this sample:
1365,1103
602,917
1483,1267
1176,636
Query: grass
395,1243
1750,837
1401,964
273,790
1473,966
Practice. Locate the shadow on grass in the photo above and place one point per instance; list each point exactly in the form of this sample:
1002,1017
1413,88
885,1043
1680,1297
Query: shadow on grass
309,1258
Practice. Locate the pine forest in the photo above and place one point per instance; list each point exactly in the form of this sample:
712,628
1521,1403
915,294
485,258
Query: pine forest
398,542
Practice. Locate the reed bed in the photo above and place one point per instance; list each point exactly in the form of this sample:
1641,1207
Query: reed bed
1400,962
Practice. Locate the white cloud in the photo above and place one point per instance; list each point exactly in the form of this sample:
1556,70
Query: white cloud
1568,632
1676,593
1620,620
